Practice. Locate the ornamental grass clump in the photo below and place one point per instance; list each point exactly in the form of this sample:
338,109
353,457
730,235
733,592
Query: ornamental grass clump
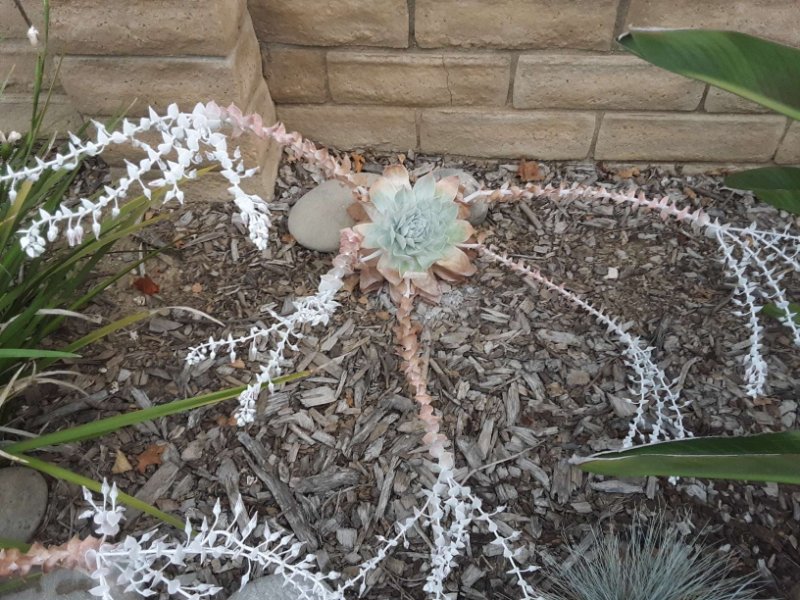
653,561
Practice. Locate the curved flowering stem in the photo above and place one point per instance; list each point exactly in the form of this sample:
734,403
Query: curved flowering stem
69,555
653,389
188,140
754,258
317,160
406,333
286,331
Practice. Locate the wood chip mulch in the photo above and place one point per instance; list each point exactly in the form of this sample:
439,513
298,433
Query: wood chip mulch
337,458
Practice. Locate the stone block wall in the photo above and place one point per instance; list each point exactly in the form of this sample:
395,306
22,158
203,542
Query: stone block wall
508,78
541,79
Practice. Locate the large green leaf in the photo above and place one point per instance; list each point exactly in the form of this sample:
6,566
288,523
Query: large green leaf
764,457
778,186
751,67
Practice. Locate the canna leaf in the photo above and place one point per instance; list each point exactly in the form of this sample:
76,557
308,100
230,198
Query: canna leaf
765,457
757,69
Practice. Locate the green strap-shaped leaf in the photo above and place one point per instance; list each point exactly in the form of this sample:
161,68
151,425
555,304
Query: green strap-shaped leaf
111,424
759,70
765,457
778,186
34,353
95,486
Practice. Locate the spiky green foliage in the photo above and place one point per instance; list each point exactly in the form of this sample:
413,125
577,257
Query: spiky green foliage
654,561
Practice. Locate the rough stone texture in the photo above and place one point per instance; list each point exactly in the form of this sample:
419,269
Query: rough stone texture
18,66
347,127
418,79
608,82
158,81
789,152
63,585
718,100
23,501
15,114
12,24
325,23
155,27
692,137
273,587
774,19
316,219
580,24
547,135
295,74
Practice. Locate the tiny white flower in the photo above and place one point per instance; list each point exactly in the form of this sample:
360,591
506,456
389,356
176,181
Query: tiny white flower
33,36
14,136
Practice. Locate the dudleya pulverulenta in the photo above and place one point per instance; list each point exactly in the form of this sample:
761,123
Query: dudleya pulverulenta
413,233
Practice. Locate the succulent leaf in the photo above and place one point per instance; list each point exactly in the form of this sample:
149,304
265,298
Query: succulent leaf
415,228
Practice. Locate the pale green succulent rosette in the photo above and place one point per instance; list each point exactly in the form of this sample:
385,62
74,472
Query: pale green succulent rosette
416,230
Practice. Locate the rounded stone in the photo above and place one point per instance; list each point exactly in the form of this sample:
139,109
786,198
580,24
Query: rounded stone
275,587
316,218
64,585
23,502
466,179
478,209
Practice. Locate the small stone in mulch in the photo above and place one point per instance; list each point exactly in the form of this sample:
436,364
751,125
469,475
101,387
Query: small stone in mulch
23,501
273,587
316,219
64,585
477,210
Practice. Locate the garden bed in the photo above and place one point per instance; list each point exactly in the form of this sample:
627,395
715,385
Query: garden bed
523,380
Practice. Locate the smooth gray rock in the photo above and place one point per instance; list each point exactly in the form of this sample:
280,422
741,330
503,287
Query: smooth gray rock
477,210
316,219
467,180
272,587
23,502
63,585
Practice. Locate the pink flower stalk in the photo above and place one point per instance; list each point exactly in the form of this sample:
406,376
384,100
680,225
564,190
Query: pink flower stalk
74,554
406,332
295,144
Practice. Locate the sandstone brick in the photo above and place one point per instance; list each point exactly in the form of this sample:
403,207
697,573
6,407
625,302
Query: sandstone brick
580,24
680,168
108,85
774,19
15,114
610,82
547,135
692,137
418,79
12,25
154,27
789,151
326,23
718,100
295,74
18,66
347,127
